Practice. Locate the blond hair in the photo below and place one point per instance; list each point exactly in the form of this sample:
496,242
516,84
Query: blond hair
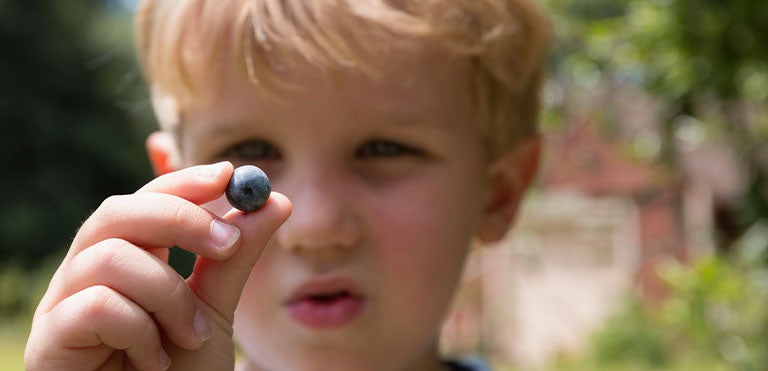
505,42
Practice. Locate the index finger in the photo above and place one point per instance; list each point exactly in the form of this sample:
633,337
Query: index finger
164,213
197,184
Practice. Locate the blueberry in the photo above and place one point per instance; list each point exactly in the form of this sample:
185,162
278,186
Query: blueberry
248,189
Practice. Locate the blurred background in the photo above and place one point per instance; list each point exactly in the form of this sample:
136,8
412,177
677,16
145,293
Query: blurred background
644,244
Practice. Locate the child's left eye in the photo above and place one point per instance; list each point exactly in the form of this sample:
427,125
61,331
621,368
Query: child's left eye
384,148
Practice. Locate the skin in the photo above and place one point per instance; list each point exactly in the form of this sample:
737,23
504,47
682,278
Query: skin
114,293
389,183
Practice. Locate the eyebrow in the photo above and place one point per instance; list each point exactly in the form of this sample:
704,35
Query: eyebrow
384,119
218,128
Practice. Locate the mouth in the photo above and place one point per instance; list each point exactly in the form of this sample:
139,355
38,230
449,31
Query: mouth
325,304
328,298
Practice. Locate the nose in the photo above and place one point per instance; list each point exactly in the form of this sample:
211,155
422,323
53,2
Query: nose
323,218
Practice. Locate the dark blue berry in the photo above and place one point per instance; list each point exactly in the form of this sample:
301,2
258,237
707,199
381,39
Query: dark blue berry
248,189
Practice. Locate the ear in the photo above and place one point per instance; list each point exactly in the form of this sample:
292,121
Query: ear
510,176
161,148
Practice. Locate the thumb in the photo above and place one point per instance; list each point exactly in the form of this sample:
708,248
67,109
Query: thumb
219,284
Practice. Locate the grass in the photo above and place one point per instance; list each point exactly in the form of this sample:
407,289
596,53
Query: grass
13,337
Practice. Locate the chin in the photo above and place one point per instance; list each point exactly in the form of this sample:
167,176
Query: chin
315,362
334,350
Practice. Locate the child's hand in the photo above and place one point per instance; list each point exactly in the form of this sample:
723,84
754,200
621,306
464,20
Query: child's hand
115,303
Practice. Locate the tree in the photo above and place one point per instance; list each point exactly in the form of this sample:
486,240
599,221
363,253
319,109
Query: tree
74,116
702,61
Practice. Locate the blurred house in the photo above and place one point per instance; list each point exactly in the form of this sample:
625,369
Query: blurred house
600,223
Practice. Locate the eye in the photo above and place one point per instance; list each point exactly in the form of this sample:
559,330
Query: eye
252,150
384,148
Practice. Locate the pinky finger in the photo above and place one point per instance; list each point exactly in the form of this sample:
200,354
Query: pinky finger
90,326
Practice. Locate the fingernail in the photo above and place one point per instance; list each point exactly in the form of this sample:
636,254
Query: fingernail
224,235
211,171
165,360
200,325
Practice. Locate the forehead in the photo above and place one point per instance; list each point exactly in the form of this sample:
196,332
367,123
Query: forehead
408,82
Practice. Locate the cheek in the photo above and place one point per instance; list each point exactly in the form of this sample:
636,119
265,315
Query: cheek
423,243
428,224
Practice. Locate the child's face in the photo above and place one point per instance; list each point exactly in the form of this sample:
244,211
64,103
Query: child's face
388,182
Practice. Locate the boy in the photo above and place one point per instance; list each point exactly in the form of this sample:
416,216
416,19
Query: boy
400,131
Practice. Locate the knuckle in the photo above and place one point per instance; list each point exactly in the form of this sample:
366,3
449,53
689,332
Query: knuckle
104,255
103,307
98,302
108,212
182,214
174,184
110,204
102,216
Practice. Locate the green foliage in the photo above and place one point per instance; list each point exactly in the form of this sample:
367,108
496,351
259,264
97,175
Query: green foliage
631,325
714,317
718,308
74,116
703,63
673,47
22,288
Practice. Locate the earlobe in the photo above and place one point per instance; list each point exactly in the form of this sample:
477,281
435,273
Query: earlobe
510,176
161,149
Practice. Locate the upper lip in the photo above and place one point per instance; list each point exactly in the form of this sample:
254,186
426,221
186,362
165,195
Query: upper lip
323,287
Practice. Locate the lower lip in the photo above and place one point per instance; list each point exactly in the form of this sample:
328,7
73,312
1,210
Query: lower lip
326,315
